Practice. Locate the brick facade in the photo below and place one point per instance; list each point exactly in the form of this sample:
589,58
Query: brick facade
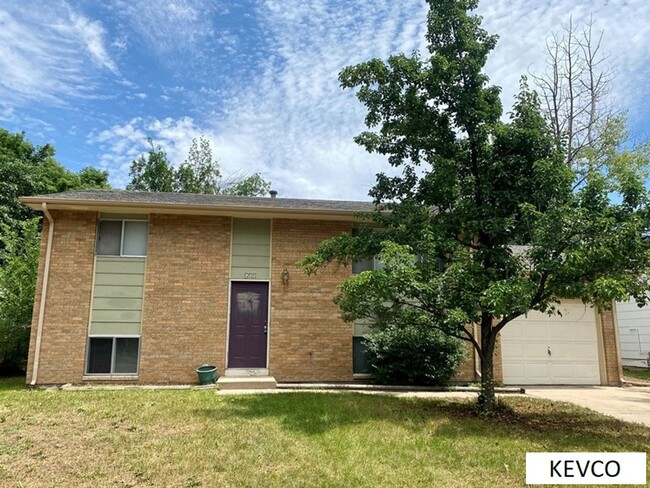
613,366
309,340
185,308
67,310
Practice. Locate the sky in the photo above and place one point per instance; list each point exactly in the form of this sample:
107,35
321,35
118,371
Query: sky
259,79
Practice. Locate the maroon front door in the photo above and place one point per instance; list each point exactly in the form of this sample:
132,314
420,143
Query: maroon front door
249,305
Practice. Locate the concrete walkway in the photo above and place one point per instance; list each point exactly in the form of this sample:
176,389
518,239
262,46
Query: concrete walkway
631,404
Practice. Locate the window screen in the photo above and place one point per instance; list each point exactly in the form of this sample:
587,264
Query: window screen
135,238
113,355
359,362
126,355
109,238
99,355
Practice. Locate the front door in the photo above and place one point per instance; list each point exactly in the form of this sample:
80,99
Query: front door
249,305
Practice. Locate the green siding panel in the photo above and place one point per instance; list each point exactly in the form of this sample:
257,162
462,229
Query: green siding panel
252,226
251,249
119,265
117,296
115,328
250,261
110,291
119,279
117,316
250,239
250,273
117,303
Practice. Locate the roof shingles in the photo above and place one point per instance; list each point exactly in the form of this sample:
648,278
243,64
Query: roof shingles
199,200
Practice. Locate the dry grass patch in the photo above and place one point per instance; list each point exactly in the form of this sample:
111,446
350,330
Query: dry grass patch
197,438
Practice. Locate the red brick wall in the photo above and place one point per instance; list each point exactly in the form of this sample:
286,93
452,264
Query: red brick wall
185,298
309,340
67,310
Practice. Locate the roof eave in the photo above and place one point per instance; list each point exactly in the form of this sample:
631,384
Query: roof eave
188,209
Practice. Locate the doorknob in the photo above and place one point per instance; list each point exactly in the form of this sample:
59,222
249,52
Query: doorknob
266,329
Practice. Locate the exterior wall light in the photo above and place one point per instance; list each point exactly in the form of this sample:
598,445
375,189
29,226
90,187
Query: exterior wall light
285,278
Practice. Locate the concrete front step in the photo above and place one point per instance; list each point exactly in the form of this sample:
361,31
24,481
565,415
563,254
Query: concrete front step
246,383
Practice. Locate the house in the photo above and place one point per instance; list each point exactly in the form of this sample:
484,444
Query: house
145,287
634,333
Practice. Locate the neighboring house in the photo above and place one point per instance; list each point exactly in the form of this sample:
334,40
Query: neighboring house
634,333
145,287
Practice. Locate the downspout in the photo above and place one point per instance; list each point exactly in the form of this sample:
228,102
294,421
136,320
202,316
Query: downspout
477,359
41,308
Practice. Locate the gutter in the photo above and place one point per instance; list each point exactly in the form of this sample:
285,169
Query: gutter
41,309
184,208
477,359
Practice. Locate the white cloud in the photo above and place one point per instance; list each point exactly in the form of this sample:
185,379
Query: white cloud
92,34
291,120
295,116
44,53
121,144
523,28
173,25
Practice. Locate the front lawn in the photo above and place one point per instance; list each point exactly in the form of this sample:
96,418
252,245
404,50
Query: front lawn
191,438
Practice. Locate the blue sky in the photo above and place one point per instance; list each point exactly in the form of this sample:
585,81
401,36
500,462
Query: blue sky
257,78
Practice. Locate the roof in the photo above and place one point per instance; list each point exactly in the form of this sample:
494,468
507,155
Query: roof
191,203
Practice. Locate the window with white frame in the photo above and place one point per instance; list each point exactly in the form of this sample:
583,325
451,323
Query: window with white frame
122,238
113,355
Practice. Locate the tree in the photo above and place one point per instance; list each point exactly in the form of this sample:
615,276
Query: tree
574,90
152,172
246,186
199,173
26,170
19,257
483,224
93,178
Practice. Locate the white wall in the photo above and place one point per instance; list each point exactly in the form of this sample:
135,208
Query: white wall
634,333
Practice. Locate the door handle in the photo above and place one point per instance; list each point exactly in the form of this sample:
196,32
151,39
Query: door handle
266,329
548,351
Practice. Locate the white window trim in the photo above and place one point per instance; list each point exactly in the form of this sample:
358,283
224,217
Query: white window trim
121,254
112,373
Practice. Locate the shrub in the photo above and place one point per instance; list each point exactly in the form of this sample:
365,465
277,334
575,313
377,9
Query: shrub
410,355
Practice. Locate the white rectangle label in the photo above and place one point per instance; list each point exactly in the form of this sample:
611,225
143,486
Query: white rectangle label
585,468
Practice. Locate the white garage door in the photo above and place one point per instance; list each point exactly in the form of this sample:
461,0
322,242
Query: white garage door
543,350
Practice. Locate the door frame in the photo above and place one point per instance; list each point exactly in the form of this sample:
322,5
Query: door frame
268,319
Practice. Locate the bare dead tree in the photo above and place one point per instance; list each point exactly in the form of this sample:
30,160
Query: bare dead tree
574,89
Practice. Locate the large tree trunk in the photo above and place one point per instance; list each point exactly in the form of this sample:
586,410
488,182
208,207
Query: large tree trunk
487,399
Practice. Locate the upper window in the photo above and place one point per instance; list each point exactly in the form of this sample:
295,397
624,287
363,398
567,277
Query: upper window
122,238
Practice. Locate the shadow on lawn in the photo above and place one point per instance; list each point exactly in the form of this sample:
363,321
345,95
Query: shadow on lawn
554,424
12,383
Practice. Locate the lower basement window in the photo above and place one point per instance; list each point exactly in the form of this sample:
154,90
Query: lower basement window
113,355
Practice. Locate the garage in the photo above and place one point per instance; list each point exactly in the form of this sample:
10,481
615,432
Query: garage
552,350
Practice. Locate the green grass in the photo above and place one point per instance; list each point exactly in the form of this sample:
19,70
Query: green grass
191,438
12,383
639,374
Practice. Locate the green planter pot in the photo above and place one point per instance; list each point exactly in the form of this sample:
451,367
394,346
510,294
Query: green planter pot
207,374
